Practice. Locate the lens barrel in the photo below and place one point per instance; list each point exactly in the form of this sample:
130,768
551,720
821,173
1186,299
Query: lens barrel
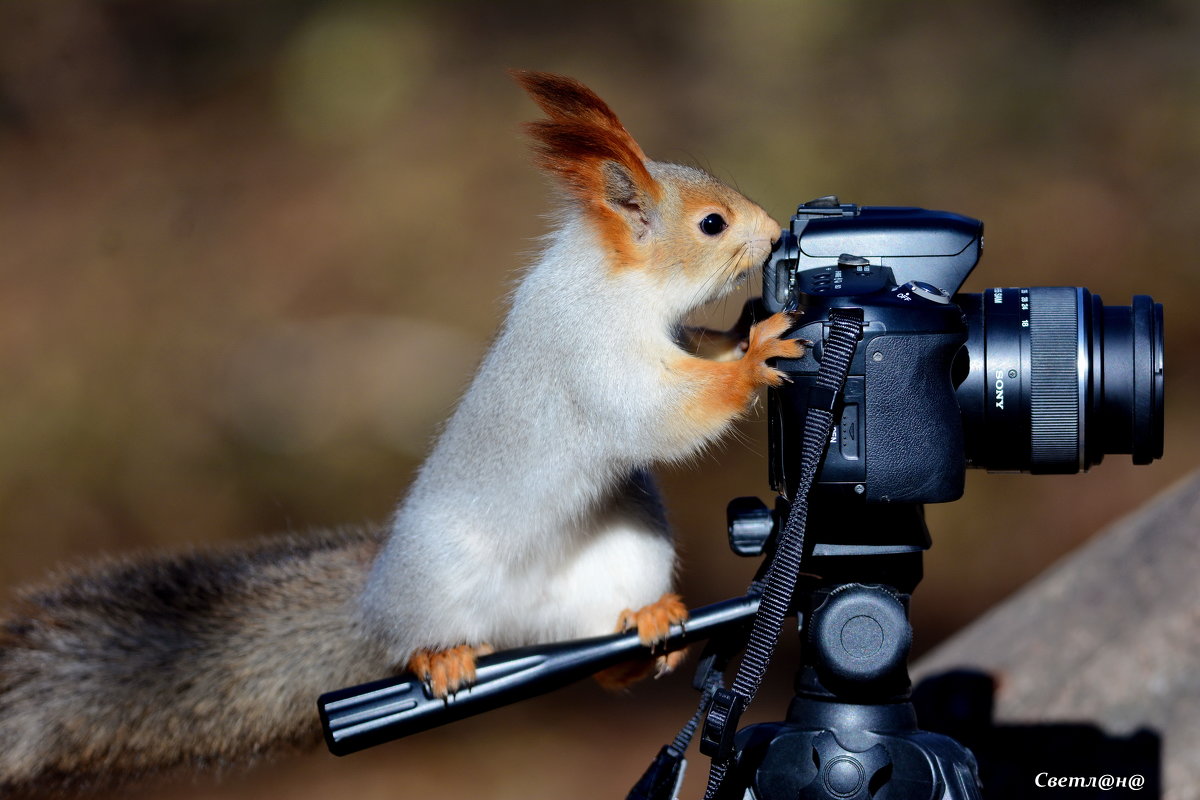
1055,380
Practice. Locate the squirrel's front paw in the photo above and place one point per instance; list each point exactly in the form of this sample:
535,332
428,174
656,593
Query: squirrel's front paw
765,342
446,671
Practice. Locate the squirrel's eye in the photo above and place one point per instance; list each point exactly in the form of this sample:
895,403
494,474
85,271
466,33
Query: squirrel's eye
713,224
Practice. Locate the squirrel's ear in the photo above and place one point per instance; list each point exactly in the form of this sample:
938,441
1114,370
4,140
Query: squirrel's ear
627,197
585,145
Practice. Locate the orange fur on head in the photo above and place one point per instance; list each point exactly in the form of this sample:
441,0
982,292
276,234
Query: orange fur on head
585,145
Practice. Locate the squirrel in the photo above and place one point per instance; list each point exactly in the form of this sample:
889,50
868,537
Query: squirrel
534,517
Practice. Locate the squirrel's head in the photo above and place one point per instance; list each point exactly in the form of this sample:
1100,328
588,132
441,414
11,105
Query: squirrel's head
681,227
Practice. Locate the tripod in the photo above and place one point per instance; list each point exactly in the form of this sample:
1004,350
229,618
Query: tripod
851,732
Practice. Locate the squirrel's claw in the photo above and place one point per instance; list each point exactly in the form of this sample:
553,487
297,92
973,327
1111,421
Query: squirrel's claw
766,341
667,662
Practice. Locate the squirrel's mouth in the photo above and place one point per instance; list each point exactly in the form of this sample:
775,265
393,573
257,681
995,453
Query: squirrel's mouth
741,276
720,293
720,307
722,289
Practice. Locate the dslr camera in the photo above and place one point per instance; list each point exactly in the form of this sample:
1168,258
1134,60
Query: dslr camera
1031,379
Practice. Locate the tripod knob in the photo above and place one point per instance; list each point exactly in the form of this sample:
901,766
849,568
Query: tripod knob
843,774
860,635
751,524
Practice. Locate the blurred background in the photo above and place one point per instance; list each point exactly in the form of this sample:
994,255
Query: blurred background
251,253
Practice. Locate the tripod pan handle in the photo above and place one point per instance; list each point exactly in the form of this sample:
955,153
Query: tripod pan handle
362,716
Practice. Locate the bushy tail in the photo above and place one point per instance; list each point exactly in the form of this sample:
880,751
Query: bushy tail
199,660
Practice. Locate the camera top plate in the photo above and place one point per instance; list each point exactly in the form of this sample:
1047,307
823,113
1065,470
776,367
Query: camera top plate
939,248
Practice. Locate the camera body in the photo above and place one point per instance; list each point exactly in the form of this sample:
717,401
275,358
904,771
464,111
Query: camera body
898,434
1026,379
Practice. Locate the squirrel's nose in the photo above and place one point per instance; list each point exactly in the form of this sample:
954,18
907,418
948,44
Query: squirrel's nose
775,231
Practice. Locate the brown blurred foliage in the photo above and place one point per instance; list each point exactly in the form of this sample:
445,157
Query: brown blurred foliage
250,253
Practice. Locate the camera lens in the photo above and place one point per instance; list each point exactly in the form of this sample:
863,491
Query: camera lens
1052,380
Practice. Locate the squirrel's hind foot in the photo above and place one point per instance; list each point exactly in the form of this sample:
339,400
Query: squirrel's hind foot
653,624
446,671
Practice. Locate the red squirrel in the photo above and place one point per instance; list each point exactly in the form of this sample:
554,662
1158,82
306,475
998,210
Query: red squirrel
533,519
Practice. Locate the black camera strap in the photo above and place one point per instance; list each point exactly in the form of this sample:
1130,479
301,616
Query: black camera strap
721,707
726,706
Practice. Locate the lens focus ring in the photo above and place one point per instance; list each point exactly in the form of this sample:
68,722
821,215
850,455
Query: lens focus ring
1056,411
1052,379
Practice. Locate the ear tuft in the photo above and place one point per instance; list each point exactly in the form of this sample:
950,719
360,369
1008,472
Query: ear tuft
580,136
567,100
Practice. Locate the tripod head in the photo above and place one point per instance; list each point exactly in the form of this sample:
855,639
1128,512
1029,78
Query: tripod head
850,731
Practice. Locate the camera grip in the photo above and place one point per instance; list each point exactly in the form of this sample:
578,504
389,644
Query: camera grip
362,716
913,425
